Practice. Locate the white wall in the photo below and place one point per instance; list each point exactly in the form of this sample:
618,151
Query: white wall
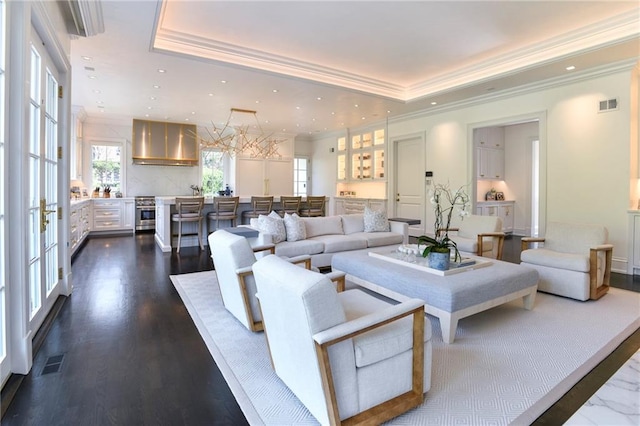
586,153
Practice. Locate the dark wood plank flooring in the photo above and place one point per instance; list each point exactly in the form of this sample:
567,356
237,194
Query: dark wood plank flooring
132,354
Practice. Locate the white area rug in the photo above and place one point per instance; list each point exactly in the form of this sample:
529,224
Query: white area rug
507,365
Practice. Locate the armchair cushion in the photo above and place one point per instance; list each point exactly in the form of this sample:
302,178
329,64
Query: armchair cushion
574,237
381,343
554,259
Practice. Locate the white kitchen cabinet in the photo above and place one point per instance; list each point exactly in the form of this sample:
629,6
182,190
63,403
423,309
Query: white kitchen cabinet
341,159
363,158
257,176
79,223
110,215
489,146
503,209
350,205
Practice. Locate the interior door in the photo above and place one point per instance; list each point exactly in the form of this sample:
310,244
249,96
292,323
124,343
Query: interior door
410,181
43,184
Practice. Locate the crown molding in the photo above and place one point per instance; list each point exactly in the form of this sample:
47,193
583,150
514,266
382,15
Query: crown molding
599,35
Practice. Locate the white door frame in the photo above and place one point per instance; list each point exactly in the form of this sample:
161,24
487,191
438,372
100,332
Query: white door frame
541,118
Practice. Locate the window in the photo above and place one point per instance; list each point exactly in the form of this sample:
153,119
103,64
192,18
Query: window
106,166
214,171
300,175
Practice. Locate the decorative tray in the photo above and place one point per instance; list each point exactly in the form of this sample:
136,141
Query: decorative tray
411,260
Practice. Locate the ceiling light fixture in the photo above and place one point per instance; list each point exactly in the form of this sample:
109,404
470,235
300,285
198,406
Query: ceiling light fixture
235,139
570,68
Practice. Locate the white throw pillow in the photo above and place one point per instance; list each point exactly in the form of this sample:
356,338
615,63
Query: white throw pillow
296,230
375,221
274,225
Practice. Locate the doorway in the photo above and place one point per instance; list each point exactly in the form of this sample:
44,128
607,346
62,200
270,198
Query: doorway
523,176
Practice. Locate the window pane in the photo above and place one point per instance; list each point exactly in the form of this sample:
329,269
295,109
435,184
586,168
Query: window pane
212,166
106,164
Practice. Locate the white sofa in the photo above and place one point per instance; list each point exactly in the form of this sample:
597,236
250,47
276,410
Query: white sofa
327,235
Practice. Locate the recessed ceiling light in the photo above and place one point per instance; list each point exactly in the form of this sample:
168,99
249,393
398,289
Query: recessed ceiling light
149,107
223,81
100,102
570,68
275,90
155,86
364,118
92,77
87,58
160,70
333,113
356,105
319,98
152,98
434,103
257,102
210,94
193,113
97,91
146,115
297,107
186,119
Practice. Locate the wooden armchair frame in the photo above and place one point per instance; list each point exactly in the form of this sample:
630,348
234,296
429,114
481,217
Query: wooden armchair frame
388,409
499,235
595,292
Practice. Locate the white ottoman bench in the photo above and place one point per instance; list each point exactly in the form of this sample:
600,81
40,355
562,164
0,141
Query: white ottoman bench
449,297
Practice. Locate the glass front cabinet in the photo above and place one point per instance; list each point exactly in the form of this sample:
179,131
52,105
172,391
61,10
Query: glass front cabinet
366,156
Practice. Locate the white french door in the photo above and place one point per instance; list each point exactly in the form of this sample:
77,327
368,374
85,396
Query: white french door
42,233
5,370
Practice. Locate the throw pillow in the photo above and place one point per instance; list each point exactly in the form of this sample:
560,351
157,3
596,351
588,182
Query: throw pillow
274,225
375,221
296,230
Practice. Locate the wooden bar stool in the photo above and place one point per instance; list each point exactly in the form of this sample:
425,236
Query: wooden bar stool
314,207
289,205
259,205
189,210
224,208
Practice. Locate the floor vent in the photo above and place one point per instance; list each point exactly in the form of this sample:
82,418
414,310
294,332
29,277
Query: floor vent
608,105
52,365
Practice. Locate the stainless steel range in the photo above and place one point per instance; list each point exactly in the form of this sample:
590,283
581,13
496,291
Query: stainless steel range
145,213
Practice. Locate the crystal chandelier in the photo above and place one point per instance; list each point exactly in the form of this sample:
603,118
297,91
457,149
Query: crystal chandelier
233,140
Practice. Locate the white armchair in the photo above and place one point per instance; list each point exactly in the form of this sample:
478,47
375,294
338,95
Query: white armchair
479,236
575,260
348,355
233,258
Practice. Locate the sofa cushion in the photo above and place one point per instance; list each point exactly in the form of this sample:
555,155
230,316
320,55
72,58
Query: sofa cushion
352,223
295,227
338,243
555,259
375,220
323,225
274,225
298,248
379,239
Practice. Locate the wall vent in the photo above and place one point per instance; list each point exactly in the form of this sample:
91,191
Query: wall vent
608,105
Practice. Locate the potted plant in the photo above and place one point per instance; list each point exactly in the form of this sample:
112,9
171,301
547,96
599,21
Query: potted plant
438,248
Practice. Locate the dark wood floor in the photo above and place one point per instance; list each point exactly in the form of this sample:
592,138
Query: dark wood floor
132,355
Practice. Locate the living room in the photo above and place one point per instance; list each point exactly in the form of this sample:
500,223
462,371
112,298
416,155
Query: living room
588,158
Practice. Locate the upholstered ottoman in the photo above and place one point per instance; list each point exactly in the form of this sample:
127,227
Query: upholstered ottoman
449,297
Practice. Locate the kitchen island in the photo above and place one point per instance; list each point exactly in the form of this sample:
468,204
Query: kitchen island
165,207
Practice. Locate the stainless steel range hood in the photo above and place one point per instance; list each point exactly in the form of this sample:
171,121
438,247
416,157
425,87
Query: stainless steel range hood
160,143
